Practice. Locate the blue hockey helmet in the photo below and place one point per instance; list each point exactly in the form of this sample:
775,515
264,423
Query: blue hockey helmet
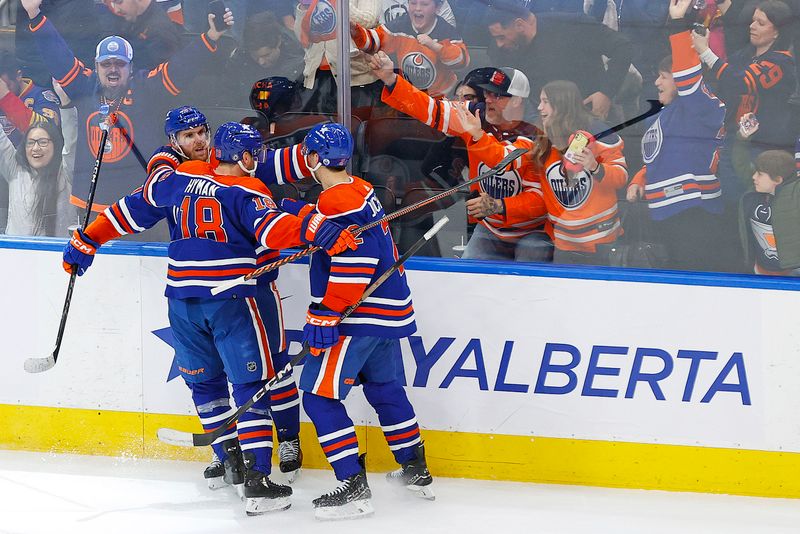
332,142
183,118
272,96
233,139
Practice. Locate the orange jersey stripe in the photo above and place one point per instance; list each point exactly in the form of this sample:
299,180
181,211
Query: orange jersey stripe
256,434
210,272
348,441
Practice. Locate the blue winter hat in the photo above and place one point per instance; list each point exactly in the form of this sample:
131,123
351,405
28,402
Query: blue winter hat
114,47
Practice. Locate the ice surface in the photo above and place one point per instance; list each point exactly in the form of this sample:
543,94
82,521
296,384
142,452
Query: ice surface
57,494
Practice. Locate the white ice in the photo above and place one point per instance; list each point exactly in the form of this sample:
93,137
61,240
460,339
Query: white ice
58,494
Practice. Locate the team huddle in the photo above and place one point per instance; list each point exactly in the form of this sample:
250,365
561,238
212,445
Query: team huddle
224,223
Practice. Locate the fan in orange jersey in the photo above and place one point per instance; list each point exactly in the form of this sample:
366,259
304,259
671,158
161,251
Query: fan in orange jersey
494,238
581,212
428,49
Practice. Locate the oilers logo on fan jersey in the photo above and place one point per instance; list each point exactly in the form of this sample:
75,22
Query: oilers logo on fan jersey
501,185
323,19
571,192
652,140
419,70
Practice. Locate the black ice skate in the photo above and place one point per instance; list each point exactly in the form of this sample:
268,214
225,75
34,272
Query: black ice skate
291,458
214,474
230,473
414,475
351,500
261,494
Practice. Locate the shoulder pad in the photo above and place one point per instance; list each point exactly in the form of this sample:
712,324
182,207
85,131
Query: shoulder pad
195,167
343,197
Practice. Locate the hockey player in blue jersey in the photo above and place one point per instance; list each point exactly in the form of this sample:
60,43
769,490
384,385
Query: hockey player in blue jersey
224,223
365,347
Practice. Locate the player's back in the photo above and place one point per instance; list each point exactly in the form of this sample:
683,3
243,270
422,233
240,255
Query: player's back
210,242
389,311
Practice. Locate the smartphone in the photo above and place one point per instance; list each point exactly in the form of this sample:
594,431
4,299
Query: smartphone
217,8
577,145
480,106
699,28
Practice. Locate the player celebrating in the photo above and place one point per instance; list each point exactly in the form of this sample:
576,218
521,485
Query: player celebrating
365,346
228,334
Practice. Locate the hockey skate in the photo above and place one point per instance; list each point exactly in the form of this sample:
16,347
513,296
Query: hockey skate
414,475
291,458
229,473
351,500
261,494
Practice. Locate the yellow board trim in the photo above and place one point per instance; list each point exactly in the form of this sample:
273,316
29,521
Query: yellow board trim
451,454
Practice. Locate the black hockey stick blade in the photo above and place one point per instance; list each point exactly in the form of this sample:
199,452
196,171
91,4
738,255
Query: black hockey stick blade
188,439
655,107
38,365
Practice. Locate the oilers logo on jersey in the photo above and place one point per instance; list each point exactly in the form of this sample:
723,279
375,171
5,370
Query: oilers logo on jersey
570,192
652,140
419,70
117,145
323,19
501,185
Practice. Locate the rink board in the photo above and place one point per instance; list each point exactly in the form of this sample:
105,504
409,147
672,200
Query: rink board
546,374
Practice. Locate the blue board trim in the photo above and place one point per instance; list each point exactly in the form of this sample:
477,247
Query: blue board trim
748,281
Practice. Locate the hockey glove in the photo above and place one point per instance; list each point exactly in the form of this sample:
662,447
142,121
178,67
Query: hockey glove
296,207
331,237
321,329
79,252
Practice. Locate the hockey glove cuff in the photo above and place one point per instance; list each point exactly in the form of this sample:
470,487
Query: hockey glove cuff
79,252
321,329
331,237
296,207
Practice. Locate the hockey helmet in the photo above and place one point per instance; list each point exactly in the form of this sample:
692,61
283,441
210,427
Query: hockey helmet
332,142
183,118
272,96
233,139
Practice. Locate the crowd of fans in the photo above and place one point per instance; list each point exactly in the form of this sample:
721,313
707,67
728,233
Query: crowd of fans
703,175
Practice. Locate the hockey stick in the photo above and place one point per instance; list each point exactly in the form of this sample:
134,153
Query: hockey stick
38,365
655,107
187,439
224,286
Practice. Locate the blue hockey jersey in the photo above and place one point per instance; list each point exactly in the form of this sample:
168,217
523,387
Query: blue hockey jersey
680,146
339,281
133,214
220,222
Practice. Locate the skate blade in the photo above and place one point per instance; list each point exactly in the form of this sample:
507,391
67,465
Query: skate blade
262,505
423,492
216,483
353,510
239,490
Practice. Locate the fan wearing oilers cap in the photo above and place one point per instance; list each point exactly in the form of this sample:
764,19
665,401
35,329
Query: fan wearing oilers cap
365,348
225,223
136,99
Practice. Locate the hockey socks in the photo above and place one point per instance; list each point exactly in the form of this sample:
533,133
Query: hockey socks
285,402
255,426
212,400
335,432
397,418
